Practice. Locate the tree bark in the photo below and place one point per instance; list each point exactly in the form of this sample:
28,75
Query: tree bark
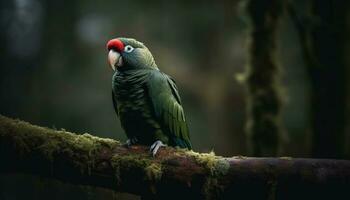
322,34
172,174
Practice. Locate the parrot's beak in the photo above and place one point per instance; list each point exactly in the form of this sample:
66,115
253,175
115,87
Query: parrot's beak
114,59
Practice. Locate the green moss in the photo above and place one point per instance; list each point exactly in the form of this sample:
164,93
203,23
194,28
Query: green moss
207,159
211,189
49,148
152,170
217,167
48,142
215,164
80,149
286,158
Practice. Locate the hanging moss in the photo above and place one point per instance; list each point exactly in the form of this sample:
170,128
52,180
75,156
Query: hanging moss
211,189
152,169
264,99
217,166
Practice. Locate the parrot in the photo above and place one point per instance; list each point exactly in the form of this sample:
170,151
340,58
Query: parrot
146,100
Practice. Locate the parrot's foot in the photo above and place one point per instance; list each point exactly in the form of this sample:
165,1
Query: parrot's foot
155,147
130,142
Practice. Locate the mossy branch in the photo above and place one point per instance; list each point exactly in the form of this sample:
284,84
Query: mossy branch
173,174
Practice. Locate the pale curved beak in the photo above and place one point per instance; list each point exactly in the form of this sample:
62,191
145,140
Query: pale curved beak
114,59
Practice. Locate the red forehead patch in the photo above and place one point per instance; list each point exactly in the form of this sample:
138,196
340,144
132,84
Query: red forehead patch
115,44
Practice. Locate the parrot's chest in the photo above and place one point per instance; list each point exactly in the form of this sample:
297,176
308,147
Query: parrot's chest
134,107
130,92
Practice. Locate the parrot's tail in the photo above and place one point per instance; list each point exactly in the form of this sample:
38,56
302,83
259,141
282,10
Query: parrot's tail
178,142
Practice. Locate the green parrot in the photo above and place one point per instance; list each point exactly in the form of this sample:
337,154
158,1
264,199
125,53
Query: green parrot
146,100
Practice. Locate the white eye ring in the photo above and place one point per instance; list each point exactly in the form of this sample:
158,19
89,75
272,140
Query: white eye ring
128,49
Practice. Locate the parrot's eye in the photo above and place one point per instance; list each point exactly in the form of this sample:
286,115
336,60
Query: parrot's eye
128,49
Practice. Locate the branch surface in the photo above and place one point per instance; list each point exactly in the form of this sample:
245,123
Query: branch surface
172,174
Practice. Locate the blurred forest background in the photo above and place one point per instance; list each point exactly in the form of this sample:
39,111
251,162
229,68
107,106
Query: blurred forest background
54,73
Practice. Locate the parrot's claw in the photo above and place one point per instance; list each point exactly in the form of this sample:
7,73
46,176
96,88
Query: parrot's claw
155,147
130,142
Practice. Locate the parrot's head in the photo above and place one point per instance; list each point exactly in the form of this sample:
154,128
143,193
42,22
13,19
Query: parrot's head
128,53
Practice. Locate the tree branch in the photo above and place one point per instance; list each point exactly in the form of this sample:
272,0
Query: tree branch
174,173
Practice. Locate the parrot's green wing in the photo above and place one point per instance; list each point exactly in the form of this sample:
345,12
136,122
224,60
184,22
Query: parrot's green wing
166,102
115,105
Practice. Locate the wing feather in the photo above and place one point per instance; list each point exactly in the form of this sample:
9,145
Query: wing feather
168,110
115,104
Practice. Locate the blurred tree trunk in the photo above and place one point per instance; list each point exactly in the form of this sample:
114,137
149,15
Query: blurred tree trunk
264,100
322,35
60,57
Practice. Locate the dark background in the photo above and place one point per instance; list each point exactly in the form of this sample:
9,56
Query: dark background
54,73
